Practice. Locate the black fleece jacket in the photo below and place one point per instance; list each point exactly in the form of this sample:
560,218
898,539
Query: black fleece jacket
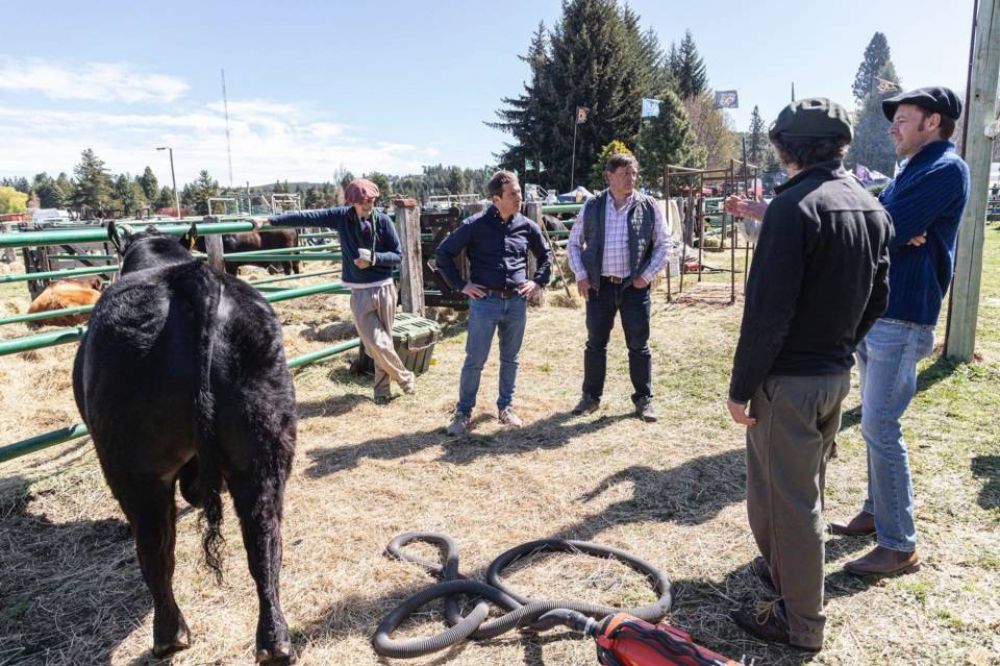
818,282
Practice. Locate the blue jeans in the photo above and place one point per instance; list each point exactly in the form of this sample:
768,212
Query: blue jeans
887,363
634,306
507,316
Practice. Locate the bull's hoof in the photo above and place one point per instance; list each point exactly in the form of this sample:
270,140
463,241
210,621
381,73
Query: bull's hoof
167,645
161,650
279,653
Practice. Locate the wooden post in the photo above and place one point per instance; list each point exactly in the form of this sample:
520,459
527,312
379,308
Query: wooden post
411,272
213,248
963,309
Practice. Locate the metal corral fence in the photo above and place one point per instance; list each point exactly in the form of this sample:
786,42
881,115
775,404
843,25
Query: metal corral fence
63,236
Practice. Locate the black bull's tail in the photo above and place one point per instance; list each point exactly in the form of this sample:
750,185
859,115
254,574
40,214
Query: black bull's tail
203,290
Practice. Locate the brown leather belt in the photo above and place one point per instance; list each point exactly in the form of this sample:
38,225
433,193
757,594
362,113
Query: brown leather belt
613,279
502,293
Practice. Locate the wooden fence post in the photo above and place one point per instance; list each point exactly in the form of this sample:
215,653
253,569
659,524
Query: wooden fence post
213,248
411,272
963,306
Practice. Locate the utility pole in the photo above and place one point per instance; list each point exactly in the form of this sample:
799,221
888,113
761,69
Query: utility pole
963,308
173,179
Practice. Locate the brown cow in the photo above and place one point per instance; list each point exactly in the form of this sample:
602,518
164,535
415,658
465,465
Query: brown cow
256,241
67,293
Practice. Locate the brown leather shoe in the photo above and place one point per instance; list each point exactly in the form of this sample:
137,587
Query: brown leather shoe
881,561
768,623
862,524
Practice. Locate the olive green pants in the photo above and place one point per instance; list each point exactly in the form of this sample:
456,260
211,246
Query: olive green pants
787,452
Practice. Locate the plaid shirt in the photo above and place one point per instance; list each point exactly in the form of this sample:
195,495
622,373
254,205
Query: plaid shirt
615,260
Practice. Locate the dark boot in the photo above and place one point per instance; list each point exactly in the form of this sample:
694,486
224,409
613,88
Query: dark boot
881,561
862,524
768,624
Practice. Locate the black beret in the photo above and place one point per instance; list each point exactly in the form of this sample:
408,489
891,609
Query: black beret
814,118
936,99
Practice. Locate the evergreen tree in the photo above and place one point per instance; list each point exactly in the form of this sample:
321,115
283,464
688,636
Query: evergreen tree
872,146
667,139
756,139
595,57
48,191
93,185
128,195
876,57
150,187
688,68
203,188
456,181
165,199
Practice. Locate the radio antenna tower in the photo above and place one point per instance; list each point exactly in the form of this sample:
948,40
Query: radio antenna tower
225,108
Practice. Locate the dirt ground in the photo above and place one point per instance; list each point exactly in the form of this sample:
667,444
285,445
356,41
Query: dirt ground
671,493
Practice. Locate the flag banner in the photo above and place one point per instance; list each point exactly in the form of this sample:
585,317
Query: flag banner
528,165
581,114
882,86
727,99
541,166
650,108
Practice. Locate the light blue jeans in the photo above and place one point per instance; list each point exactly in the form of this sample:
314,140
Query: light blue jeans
507,316
887,363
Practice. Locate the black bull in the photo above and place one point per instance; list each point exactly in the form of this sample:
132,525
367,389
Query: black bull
181,376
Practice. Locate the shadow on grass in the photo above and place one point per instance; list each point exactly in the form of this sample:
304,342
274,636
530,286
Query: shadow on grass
548,433
928,377
64,586
988,468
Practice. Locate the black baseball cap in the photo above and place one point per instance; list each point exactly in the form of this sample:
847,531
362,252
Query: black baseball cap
936,99
815,117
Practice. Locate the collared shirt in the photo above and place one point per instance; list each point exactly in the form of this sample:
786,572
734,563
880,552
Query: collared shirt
615,258
497,251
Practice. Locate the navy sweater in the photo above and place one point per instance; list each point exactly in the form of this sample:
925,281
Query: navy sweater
929,195
379,237
497,251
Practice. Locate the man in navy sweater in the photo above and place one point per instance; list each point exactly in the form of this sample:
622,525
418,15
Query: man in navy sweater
926,201
497,242
370,251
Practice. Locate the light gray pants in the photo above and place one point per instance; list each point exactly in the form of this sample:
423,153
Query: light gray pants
374,310
787,451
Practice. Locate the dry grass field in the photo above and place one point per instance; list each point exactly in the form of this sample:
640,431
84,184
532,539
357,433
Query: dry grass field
670,492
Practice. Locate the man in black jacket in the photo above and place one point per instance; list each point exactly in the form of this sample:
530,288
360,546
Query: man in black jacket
819,281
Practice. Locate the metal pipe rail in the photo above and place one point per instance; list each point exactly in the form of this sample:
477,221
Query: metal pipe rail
44,275
66,335
77,430
99,234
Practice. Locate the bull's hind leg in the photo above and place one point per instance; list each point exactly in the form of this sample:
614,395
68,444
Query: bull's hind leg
149,504
258,504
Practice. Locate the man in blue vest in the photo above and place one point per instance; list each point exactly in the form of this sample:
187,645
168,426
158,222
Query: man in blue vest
926,201
618,244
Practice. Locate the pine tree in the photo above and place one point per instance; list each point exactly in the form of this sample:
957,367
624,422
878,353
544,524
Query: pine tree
93,185
688,68
876,57
456,181
150,187
596,57
203,188
756,139
667,139
872,146
128,195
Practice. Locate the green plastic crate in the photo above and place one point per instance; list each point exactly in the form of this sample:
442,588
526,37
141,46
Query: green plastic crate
414,338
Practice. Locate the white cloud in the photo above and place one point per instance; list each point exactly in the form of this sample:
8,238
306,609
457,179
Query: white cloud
270,141
95,81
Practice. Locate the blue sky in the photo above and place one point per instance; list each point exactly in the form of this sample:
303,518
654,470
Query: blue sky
388,86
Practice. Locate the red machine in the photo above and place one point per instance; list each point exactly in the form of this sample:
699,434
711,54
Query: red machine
625,640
